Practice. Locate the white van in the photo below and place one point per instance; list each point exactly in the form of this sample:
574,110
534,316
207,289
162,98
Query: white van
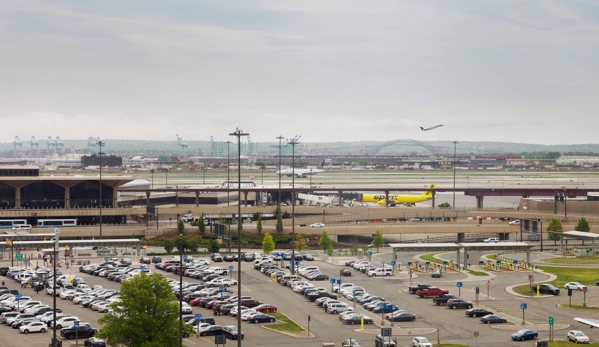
22,227
380,272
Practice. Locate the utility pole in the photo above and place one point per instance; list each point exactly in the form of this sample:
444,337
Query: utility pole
454,159
100,143
279,138
294,141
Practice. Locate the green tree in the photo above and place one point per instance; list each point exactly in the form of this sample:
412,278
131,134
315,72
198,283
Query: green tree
181,227
202,225
168,245
260,164
148,308
268,245
325,243
193,243
364,247
554,225
378,240
354,250
300,242
583,225
279,226
259,223
445,205
181,244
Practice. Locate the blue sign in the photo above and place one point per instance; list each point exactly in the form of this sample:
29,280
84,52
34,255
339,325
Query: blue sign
297,263
231,268
201,283
393,263
142,268
523,306
57,271
332,280
339,281
185,257
106,259
76,325
369,253
221,288
26,262
278,254
459,284
18,297
57,231
198,317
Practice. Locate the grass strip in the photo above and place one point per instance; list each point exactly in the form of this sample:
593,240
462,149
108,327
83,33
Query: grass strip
573,261
580,307
477,273
564,275
287,326
431,257
564,343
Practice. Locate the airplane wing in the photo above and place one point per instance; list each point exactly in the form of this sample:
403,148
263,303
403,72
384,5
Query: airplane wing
593,323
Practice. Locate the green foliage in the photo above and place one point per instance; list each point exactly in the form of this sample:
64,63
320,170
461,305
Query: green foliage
286,215
259,224
148,308
279,225
555,225
181,227
363,162
354,250
325,243
213,246
364,247
181,243
583,225
168,245
193,243
260,164
202,225
300,242
378,240
444,205
268,245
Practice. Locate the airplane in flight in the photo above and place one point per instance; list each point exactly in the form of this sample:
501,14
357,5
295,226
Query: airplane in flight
408,200
301,173
431,128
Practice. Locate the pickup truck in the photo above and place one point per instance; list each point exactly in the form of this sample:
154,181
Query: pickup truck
431,291
459,303
442,300
414,289
83,331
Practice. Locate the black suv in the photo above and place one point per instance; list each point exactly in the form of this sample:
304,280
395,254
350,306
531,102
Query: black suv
548,289
156,260
459,303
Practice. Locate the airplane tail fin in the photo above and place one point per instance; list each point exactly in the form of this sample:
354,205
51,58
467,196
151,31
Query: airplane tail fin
428,192
321,165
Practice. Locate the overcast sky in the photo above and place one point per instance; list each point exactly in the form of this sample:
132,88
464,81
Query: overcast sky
513,71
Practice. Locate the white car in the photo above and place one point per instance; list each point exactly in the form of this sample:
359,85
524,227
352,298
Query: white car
224,282
67,294
248,316
185,308
201,327
65,321
491,240
574,286
577,336
80,298
33,327
317,225
514,222
421,342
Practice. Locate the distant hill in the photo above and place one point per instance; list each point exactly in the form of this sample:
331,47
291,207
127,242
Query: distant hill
398,147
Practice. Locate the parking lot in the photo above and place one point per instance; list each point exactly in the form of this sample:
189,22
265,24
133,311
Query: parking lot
432,320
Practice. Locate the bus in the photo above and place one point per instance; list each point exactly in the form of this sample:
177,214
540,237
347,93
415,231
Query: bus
10,223
50,223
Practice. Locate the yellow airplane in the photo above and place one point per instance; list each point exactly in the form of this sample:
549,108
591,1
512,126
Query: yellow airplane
408,200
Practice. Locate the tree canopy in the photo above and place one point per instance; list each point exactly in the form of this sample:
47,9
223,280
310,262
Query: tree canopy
554,225
146,316
202,225
325,243
279,226
583,225
268,245
300,242
259,223
181,227
377,240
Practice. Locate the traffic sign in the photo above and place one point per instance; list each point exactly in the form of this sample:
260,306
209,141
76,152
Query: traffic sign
332,280
231,268
297,263
106,259
393,263
476,334
19,256
488,283
550,320
57,271
57,231
185,257
75,325
221,288
459,284
142,267
18,297
339,281
584,289
523,306
369,253
198,317
26,262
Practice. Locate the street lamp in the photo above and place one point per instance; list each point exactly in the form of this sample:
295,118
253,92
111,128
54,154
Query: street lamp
280,137
454,159
294,141
310,178
152,171
180,289
228,178
55,256
238,133
166,172
100,143
203,174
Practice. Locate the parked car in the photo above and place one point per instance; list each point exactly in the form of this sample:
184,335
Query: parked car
574,286
459,303
350,343
436,274
317,225
262,318
548,289
403,317
524,334
385,341
345,272
356,318
95,342
421,342
477,312
231,332
33,327
493,319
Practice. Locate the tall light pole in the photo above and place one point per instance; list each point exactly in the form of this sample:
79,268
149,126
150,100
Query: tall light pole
294,141
454,159
280,137
238,133
228,180
100,143
152,171
55,256
180,289
166,185
203,174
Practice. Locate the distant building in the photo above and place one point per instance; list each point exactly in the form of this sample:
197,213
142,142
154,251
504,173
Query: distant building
104,160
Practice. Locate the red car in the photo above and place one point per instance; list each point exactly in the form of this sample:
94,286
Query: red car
266,308
195,302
